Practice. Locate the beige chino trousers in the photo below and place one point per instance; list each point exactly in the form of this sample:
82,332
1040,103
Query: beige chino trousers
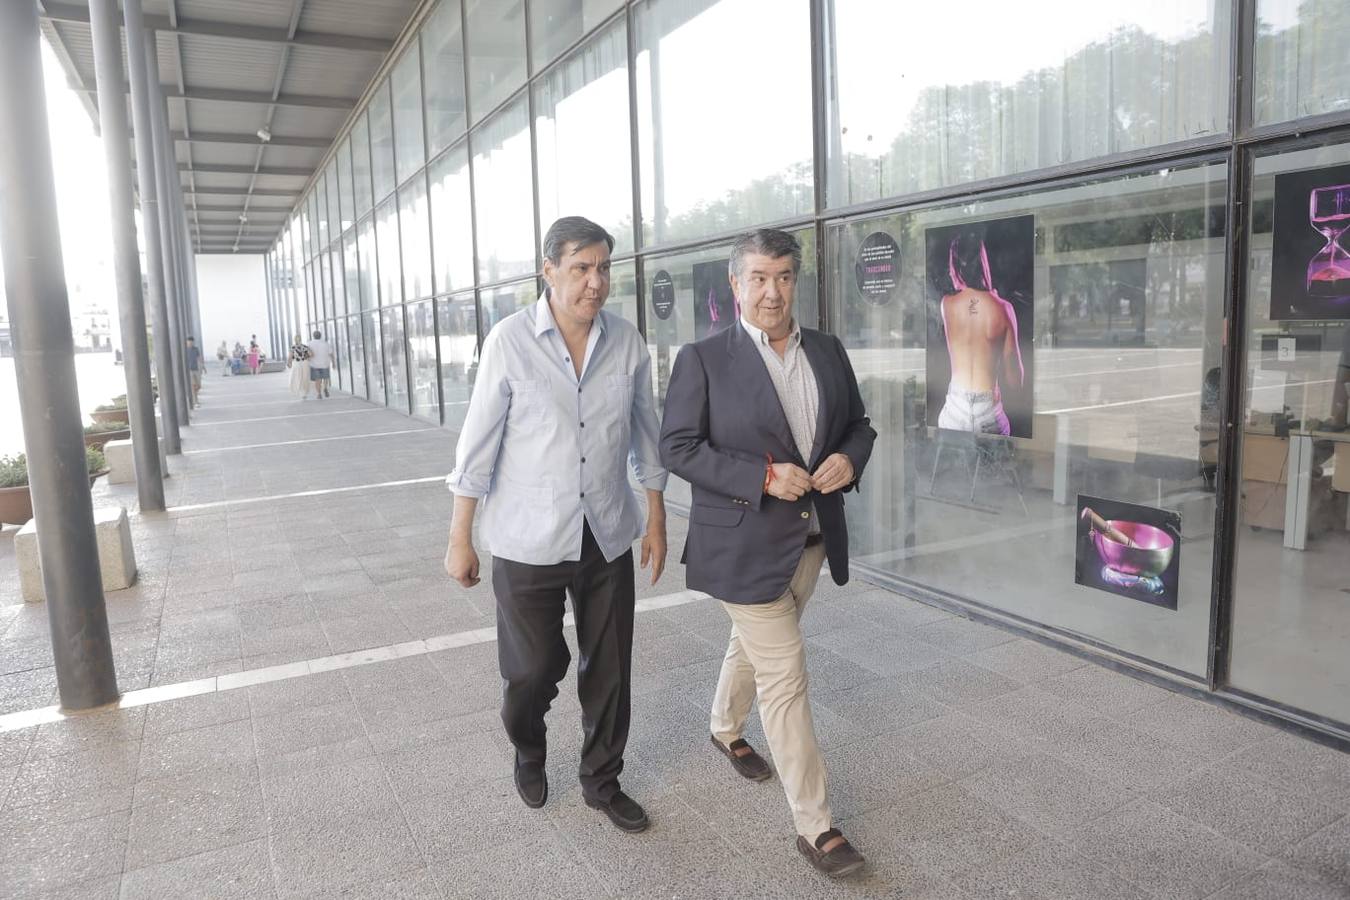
766,657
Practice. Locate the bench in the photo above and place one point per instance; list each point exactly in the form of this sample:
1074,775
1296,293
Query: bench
116,557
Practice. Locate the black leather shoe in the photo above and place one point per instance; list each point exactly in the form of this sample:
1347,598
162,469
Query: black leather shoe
623,811
751,765
531,783
839,862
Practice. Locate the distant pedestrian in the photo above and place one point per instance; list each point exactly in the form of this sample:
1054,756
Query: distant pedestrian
320,362
223,355
298,363
193,356
253,357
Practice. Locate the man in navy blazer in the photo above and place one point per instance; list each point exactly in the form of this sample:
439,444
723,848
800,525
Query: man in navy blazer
765,421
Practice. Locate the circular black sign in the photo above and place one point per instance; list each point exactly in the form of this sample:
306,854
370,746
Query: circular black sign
878,267
663,294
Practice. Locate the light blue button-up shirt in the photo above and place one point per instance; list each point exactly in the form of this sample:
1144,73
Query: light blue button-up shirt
542,448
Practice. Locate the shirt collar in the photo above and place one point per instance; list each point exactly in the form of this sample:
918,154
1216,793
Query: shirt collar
544,321
761,339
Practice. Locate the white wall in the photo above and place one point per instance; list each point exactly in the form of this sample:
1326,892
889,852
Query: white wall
233,295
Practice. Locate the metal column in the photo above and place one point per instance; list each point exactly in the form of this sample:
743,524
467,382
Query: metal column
137,76
107,36
49,403
166,166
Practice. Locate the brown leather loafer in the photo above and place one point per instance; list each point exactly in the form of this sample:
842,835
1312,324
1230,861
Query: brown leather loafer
839,862
751,764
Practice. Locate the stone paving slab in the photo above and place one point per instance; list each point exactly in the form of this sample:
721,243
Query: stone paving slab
965,761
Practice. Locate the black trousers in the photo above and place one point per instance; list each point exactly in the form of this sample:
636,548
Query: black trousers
533,655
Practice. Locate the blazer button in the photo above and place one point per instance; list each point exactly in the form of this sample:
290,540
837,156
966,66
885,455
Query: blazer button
806,515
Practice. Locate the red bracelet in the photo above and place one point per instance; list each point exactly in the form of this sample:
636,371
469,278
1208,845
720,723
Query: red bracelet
768,472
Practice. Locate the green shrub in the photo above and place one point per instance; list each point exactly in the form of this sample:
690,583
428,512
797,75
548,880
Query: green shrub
103,427
13,471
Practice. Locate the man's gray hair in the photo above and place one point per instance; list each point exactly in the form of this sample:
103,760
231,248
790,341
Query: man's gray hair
573,230
768,242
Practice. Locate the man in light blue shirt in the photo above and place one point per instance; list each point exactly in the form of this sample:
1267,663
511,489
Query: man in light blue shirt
561,404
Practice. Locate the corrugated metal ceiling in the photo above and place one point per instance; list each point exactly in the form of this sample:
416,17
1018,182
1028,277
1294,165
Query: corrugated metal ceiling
293,67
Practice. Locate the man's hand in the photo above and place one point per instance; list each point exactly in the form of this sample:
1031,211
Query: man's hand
789,482
834,473
654,548
461,562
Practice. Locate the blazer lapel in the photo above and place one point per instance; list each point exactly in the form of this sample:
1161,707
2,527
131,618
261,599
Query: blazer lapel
754,377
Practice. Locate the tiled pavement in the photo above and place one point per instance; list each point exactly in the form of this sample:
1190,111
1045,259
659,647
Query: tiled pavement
965,761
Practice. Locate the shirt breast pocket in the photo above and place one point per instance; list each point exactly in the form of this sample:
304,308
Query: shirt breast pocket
620,388
529,402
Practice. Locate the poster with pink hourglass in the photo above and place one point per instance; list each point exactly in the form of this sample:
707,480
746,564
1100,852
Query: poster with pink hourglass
1310,259
714,304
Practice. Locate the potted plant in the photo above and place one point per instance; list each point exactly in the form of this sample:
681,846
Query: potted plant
114,411
16,502
100,433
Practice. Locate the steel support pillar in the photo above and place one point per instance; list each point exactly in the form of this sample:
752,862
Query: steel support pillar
164,163
106,27
138,76
49,403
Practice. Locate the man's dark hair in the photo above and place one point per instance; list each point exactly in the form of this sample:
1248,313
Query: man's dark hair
318,335
573,230
768,242
191,338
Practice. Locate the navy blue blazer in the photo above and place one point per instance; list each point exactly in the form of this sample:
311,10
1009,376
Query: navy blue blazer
722,416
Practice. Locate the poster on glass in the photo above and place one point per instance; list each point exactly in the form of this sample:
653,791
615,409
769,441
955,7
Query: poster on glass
979,279
1129,550
715,305
1310,255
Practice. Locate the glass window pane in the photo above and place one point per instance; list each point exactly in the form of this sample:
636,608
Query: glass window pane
907,115
395,365
322,235
580,128
382,142
709,178
503,189
356,344
443,62
1291,621
422,350
351,272
324,281
1301,67
496,54
330,187
407,87
416,233
346,200
369,274
386,239
498,303
623,301
452,220
556,25
340,372
361,165
370,326
457,319
1099,321
338,281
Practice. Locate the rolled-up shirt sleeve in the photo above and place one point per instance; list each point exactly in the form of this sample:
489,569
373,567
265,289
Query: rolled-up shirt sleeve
480,439
645,455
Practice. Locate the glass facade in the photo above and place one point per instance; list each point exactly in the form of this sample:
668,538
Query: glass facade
1151,248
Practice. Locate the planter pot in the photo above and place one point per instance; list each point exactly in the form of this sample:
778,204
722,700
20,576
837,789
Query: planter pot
104,416
102,437
16,505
